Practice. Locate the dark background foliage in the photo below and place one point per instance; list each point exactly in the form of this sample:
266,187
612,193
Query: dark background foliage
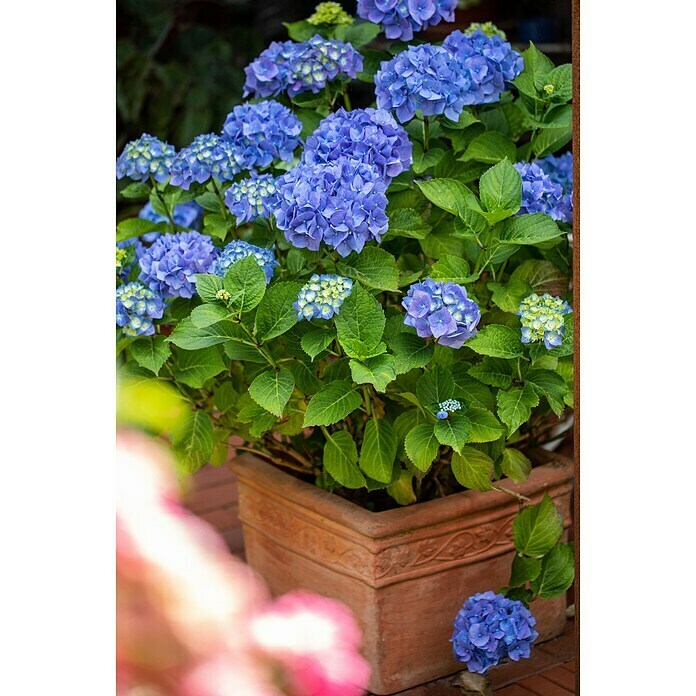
181,63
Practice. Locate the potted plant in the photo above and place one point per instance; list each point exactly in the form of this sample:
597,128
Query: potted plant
376,305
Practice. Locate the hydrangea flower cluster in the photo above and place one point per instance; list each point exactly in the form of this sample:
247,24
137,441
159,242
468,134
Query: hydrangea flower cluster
329,14
188,215
541,195
170,264
342,204
238,250
441,310
422,77
144,158
136,307
261,133
488,28
322,297
559,168
252,198
300,67
400,18
446,407
488,63
542,319
120,257
208,156
489,628
370,136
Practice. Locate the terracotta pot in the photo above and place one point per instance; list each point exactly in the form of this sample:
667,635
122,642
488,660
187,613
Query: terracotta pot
403,572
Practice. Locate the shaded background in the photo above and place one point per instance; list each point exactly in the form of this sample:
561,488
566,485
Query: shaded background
180,62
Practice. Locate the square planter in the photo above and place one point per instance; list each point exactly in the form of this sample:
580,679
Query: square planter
404,572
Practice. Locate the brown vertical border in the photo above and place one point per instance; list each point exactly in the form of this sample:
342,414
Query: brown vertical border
575,37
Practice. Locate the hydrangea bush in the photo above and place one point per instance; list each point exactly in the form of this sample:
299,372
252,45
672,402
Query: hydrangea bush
377,298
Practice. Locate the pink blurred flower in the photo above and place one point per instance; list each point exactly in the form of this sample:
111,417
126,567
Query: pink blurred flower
316,641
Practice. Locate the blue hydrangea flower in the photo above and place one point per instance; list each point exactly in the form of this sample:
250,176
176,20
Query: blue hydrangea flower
488,62
170,264
144,158
542,319
188,215
342,204
237,250
422,77
300,67
559,168
441,310
208,156
252,198
446,407
136,307
400,18
322,297
489,628
370,136
541,195
261,133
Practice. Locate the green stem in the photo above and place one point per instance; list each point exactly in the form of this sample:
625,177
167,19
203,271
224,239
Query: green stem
519,371
346,100
366,395
261,349
426,133
164,204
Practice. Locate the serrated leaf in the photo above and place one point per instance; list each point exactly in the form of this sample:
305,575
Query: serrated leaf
378,450
454,431
133,227
448,194
305,379
275,314
496,372
542,276
271,390
497,341
407,222
225,397
136,189
208,314
373,267
378,371
300,31
151,353
485,427
434,386
192,441
361,319
515,465
317,341
557,572
490,147
523,570
515,406
501,190
470,389
208,285
245,280
332,403
357,33
422,446
195,367
509,296
531,228
259,419
410,352
425,160
473,468
537,528
466,119
550,385
451,269
189,337
341,460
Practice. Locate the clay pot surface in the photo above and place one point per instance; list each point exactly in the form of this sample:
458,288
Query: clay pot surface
404,572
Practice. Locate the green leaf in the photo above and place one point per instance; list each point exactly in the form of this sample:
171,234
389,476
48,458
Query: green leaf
509,296
537,528
360,320
378,371
493,371
557,572
196,367
455,431
434,386
561,79
422,446
402,489
192,441
515,465
358,33
410,352
466,119
532,228
225,397
471,389
305,379
407,222
490,147
485,427
317,341
341,460
497,341
451,269
550,385
259,419
551,140
133,227
473,468
372,61
295,260
523,570
542,276
275,313
443,241
271,390
188,337
216,225
208,285
378,450
151,353
136,190
209,201
448,194
246,282
300,31
373,267
501,190
208,314
332,403
425,160
515,406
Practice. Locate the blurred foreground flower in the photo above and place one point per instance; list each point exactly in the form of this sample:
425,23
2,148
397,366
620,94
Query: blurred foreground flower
194,621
